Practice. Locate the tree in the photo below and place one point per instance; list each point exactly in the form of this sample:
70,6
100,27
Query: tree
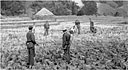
119,3
89,8
12,7
80,13
56,7
60,7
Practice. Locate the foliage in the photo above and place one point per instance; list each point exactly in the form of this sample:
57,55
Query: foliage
119,3
57,7
80,13
12,7
89,7
67,7
107,49
22,7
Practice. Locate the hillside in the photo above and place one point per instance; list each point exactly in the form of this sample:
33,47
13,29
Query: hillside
111,7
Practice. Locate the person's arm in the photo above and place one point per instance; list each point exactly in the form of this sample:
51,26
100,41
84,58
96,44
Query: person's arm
44,26
64,39
48,26
78,23
33,38
70,38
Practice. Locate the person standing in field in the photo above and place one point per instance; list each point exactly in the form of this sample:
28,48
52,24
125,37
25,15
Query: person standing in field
46,27
77,23
66,45
92,28
30,43
72,30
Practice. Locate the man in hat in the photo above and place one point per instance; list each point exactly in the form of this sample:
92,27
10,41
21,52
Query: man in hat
77,23
30,46
92,28
46,27
66,45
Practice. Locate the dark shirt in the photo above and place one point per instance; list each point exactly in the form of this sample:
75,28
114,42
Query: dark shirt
91,24
66,38
30,37
46,25
77,23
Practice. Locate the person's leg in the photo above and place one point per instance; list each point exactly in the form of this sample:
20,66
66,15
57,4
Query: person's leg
91,29
31,57
78,31
68,54
44,32
78,28
28,59
34,51
64,55
47,31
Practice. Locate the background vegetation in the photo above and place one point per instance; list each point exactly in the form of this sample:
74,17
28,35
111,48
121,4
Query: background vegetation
14,8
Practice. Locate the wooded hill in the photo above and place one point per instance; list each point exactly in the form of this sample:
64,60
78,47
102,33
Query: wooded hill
67,7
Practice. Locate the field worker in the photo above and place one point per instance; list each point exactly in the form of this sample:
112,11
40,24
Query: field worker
66,45
77,23
72,30
92,28
46,27
30,46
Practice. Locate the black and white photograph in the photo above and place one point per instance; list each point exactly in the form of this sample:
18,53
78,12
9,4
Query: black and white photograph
64,35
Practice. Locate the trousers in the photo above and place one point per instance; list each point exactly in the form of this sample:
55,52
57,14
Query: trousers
67,53
46,32
31,55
